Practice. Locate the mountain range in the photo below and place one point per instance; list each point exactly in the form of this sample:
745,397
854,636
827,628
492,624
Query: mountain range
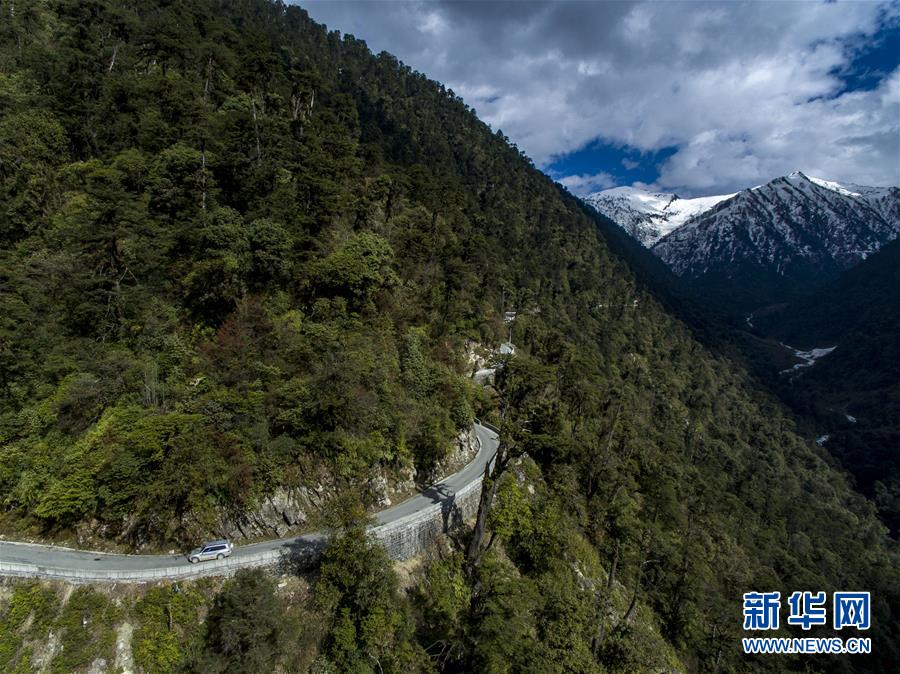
762,245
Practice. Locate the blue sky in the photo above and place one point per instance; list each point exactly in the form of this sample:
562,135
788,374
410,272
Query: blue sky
692,97
609,165
871,58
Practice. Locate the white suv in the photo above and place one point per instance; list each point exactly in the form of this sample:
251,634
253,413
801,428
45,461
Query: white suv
212,550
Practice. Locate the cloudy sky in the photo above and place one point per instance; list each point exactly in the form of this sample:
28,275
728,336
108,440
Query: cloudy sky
693,97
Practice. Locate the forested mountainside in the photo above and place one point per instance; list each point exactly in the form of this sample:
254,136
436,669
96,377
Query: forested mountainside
859,298
240,252
853,393
852,397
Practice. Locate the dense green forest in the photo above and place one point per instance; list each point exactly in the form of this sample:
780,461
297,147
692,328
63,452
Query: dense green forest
237,250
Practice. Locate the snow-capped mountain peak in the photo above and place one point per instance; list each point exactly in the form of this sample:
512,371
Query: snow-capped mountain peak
650,216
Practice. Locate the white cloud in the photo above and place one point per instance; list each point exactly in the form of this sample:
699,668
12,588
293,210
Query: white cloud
746,91
585,184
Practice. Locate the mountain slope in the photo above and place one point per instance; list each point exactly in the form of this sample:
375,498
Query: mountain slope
647,216
776,241
854,393
860,297
241,260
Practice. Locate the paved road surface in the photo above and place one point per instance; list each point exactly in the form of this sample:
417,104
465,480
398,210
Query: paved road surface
26,559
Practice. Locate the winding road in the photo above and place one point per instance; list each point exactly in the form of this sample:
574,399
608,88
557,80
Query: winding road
49,561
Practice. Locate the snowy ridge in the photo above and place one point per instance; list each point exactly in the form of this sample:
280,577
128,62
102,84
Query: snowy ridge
763,244
649,216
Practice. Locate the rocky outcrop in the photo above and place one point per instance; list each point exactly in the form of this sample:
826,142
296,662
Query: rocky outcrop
482,361
464,450
284,510
477,355
288,510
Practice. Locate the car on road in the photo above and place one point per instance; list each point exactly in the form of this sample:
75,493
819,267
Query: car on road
211,550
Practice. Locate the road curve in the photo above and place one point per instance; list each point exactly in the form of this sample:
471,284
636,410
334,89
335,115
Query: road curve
49,561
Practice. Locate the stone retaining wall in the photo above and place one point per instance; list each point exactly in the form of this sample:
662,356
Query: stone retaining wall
410,535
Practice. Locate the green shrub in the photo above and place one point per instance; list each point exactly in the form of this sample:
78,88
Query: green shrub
86,629
168,627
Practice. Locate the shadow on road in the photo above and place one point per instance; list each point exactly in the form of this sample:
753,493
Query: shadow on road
300,555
